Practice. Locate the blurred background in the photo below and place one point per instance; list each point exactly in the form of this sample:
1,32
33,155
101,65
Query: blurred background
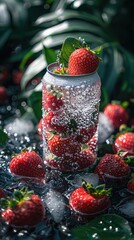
31,34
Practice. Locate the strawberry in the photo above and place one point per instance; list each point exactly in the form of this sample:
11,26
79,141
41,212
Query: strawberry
117,114
89,199
130,184
82,61
63,146
52,100
2,193
27,164
112,166
54,121
85,134
3,94
125,143
17,76
84,159
92,144
4,74
77,162
25,209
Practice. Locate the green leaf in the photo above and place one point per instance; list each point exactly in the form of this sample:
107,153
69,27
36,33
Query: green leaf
4,37
35,102
69,45
50,55
3,137
104,227
36,67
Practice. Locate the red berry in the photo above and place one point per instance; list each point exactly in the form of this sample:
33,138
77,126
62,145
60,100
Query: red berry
17,76
54,121
27,164
4,74
88,201
77,162
112,165
26,213
130,184
63,146
3,94
85,134
125,143
116,114
2,193
52,100
82,61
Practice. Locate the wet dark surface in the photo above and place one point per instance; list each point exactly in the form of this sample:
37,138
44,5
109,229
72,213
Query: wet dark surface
60,218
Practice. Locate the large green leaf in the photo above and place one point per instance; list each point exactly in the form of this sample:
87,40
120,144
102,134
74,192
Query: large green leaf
62,15
18,13
57,40
4,37
104,227
3,137
71,26
34,101
34,68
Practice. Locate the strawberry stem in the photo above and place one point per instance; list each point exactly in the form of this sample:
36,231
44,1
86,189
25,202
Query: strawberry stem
96,191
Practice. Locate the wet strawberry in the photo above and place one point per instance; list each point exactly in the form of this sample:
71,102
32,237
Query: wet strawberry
92,144
2,193
27,164
117,114
125,143
17,76
54,121
130,184
24,210
89,199
85,134
3,94
112,165
52,100
63,146
82,61
77,162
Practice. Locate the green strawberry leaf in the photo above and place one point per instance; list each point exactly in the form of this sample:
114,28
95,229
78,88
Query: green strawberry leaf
3,137
69,45
104,227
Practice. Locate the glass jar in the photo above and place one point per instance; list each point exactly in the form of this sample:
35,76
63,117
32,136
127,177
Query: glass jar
70,118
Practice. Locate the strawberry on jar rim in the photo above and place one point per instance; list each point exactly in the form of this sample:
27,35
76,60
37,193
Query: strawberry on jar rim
125,143
28,164
90,200
82,61
24,209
